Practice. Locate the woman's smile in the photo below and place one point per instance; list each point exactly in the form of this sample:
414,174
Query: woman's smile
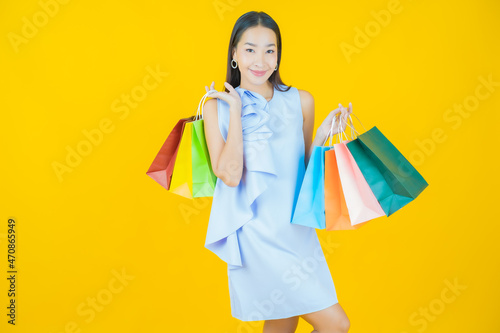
258,73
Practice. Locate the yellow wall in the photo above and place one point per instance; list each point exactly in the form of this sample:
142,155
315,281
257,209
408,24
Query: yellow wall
102,231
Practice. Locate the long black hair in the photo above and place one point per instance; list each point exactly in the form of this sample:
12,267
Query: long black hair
244,22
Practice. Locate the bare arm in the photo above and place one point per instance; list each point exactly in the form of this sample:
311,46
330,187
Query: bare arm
226,157
307,103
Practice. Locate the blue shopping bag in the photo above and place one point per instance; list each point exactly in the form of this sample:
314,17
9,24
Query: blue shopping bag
309,210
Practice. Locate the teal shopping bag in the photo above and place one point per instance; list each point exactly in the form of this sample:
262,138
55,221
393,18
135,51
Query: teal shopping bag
391,177
310,207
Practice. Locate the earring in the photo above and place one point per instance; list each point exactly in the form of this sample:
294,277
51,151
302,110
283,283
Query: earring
234,65
276,68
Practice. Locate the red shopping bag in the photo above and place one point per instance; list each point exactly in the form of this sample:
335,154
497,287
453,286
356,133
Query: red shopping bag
163,165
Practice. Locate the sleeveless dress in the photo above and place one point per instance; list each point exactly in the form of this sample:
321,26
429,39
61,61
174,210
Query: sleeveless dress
275,269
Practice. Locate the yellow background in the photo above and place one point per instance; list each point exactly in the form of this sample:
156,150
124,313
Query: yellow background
107,217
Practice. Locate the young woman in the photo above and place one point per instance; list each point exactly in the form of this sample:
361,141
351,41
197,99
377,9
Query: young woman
259,137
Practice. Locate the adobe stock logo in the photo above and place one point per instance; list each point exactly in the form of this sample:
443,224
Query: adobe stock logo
428,313
121,106
31,28
372,29
222,7
454,116
97,302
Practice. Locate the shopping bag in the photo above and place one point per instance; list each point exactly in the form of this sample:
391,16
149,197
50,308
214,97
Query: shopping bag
183,164
204,179
163,164
349,201
310,207
193,176
362,204
336,213
182,175
392,178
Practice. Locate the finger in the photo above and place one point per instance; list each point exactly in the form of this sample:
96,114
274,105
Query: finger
229,87
343,117
336,111
212,86
331,116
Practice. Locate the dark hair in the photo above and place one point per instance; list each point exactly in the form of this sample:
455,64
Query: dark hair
244,22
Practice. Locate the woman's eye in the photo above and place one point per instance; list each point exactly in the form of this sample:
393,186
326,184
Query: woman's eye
252,50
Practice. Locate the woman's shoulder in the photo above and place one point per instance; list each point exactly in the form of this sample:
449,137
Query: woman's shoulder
305,95
210,106
306,102
212,102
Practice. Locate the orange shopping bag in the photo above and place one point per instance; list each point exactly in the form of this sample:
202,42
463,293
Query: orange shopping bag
349,201
336,213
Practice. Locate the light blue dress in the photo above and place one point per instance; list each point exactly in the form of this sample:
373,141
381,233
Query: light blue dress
276,269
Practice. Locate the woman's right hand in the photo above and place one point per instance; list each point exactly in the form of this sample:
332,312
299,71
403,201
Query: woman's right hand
340,114
343,117
232,97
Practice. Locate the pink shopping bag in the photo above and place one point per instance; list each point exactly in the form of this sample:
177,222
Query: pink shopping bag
361,202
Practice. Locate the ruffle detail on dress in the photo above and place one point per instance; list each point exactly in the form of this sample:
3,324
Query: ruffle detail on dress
233,207
254,116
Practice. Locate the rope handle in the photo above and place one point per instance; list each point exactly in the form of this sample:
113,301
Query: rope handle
201,104
352,126
354,132
330,132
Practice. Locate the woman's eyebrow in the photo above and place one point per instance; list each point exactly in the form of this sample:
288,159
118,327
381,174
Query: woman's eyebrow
252,44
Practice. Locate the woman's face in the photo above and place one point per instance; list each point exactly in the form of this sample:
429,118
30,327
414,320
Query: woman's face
257,55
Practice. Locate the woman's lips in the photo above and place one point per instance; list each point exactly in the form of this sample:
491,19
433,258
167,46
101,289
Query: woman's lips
258,73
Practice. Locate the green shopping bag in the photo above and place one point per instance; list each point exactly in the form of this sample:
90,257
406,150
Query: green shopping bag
204,178
391,177
192,175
